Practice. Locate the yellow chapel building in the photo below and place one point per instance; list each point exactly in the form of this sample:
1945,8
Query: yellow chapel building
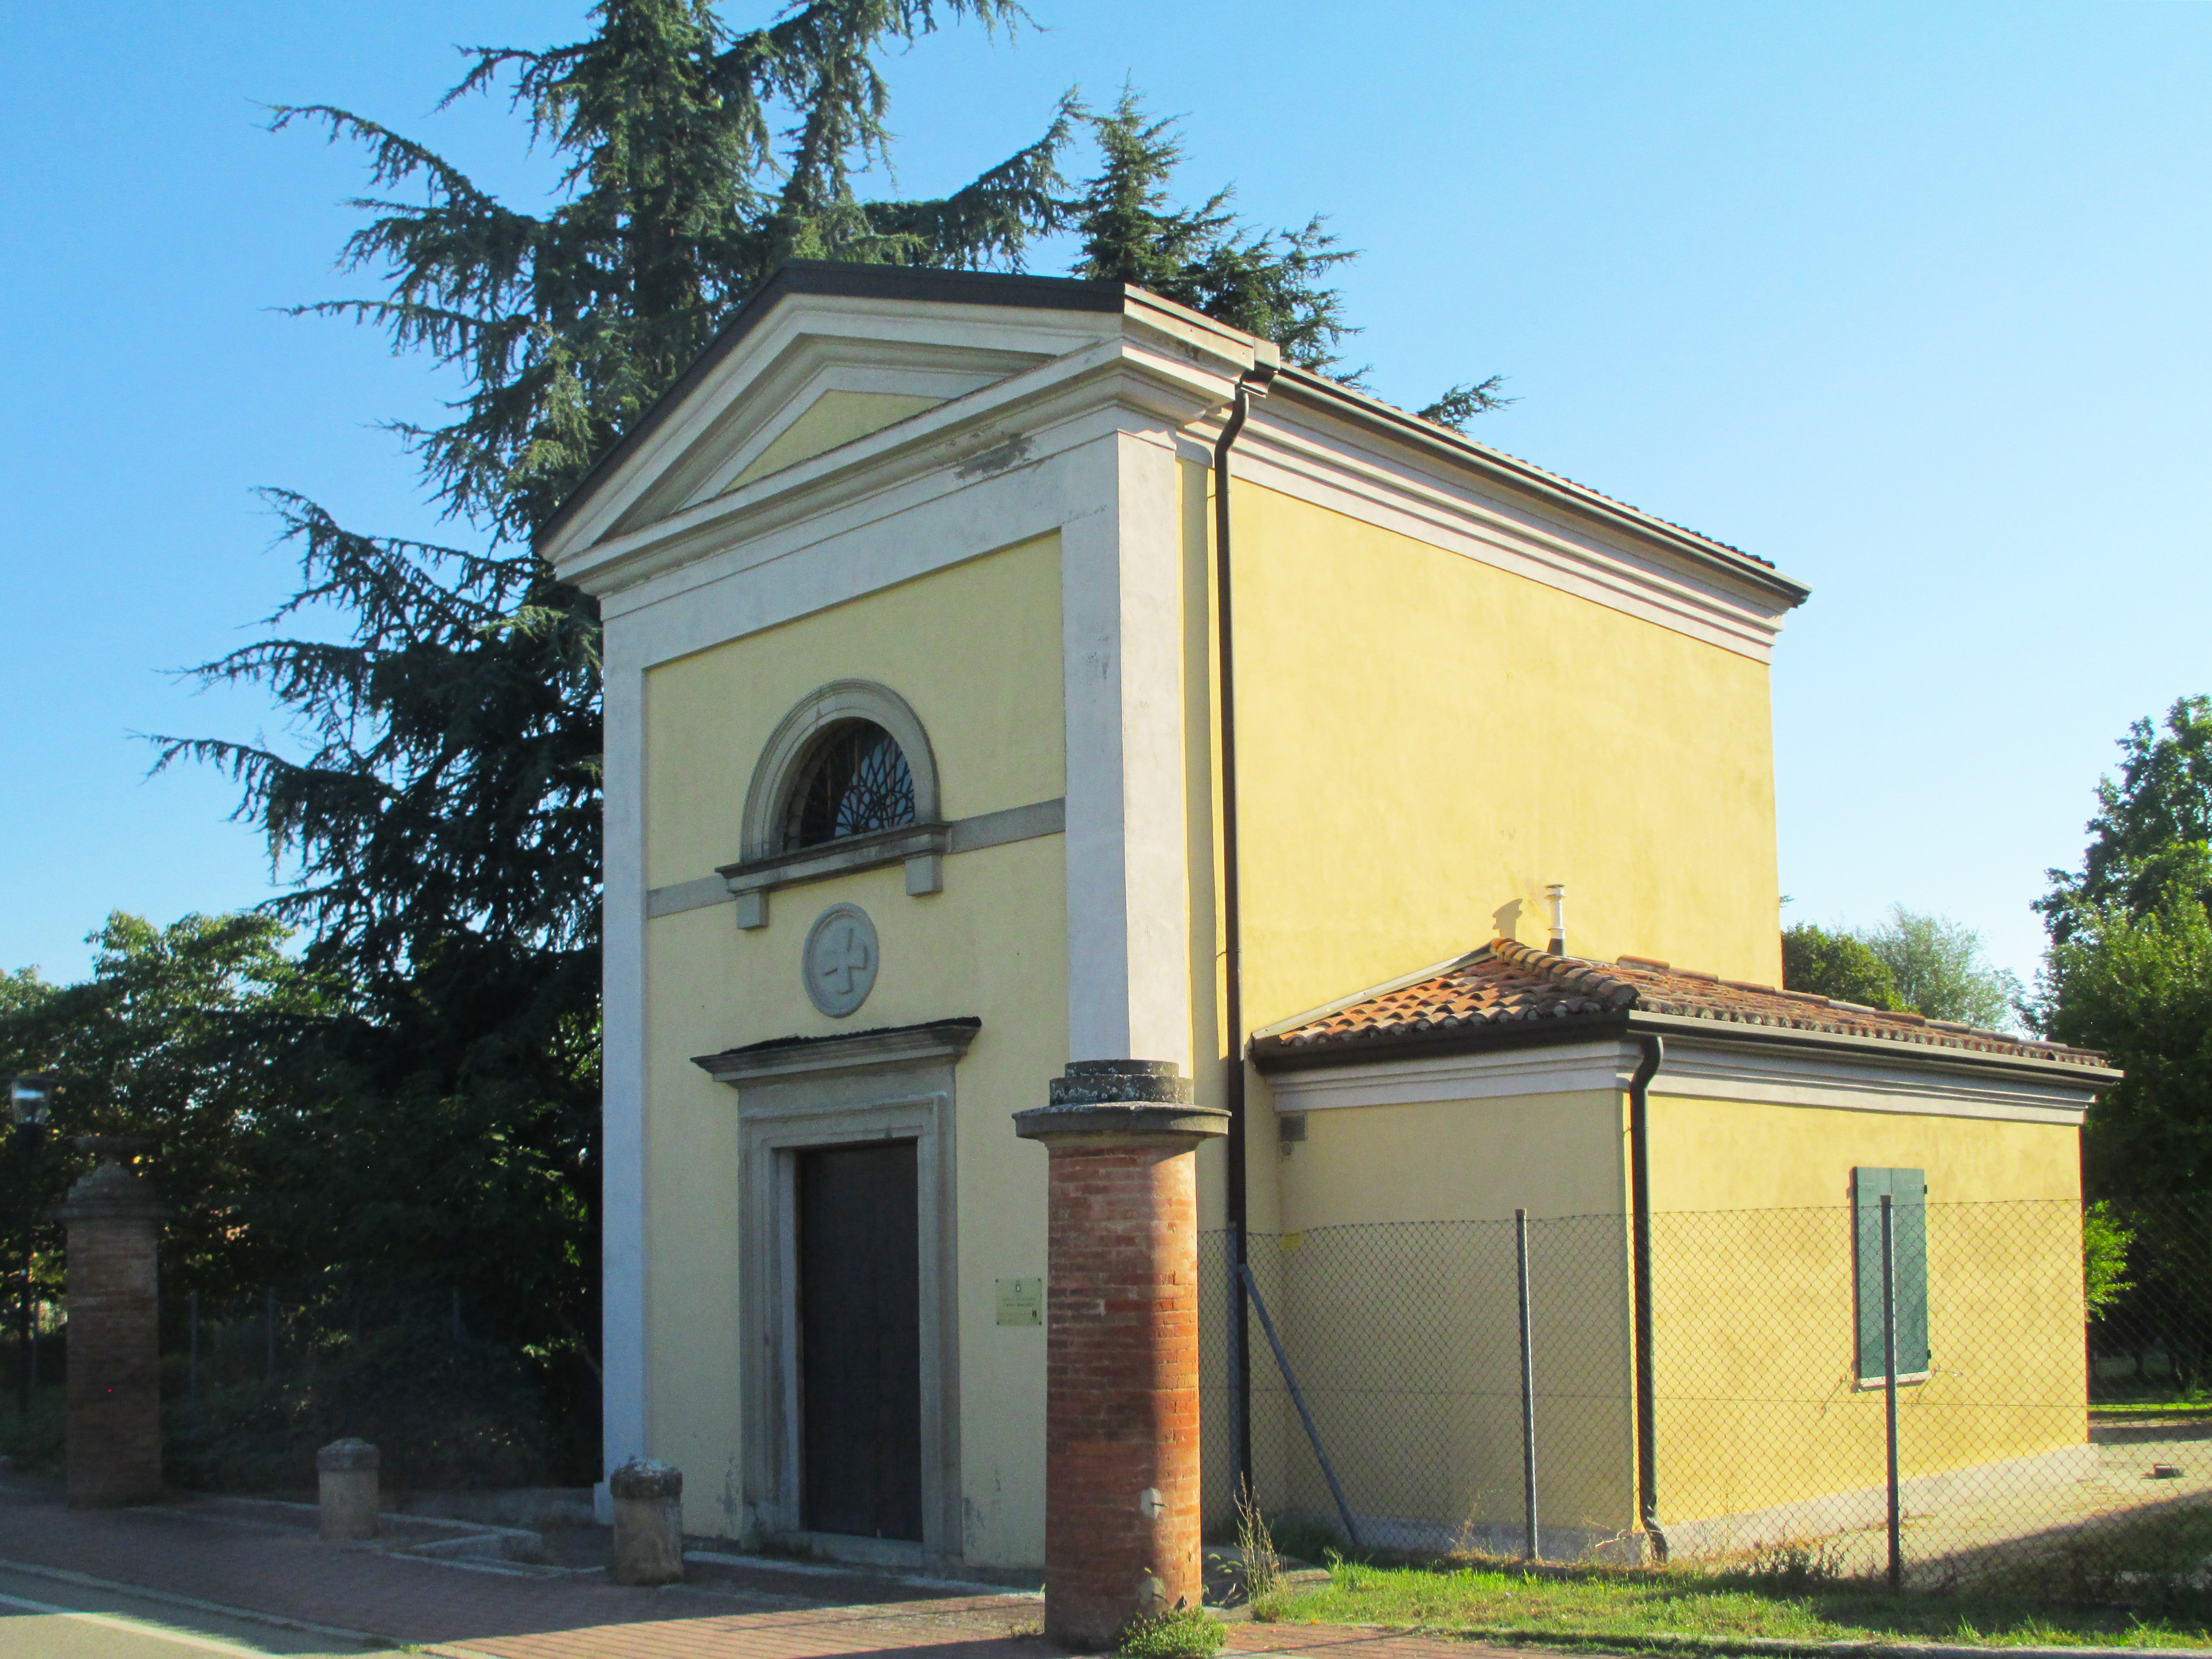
915,793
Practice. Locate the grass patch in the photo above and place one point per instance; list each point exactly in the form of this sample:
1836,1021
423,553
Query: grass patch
2151,1408
1179,1633
1786,1598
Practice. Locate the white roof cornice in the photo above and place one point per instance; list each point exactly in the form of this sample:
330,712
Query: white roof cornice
1027,368
1138,374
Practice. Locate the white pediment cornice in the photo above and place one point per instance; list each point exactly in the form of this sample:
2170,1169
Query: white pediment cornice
1136,373
812,365
1000,375
806,343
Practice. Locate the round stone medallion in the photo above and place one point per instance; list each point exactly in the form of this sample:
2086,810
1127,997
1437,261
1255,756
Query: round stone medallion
839,964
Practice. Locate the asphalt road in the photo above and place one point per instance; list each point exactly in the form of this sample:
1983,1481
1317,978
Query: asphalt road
43,1619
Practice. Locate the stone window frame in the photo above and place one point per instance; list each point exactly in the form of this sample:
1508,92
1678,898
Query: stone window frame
796,1095
765,863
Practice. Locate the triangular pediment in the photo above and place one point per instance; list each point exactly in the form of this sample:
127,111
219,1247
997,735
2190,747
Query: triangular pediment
821,392
830,422
825,358
837,382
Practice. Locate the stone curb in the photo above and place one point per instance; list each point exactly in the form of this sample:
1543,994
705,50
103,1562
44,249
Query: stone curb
169,1598
965,1587
1503,1635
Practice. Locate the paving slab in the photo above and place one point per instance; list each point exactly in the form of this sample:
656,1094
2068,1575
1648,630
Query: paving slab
204,1571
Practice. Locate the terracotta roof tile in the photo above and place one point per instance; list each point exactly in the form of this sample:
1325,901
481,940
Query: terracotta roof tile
1507,983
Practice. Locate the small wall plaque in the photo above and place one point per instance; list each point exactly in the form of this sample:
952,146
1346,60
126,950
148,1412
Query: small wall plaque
1021,1301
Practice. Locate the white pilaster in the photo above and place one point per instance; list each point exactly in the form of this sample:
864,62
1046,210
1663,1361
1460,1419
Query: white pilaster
1128,900
625,1420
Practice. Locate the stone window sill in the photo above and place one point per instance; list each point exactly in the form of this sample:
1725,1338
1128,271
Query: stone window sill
921,847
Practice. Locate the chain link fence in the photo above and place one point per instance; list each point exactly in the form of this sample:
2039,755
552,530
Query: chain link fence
2052,1408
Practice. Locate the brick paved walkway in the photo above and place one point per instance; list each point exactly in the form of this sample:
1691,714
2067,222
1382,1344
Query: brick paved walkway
295,1577
191,1557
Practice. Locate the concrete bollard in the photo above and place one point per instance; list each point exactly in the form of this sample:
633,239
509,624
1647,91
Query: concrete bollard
346,1471
648,1545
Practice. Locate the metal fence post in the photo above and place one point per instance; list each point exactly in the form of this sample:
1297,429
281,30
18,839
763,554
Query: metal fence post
269,1333
1889,1386
193,1363
1528,1549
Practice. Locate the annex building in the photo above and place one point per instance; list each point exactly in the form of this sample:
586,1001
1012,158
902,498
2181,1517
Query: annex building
915,785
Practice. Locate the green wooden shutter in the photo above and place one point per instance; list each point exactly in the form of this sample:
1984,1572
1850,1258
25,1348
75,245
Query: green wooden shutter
1907,1190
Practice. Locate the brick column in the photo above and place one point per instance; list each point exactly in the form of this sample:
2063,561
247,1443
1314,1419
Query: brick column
114,1432
1122,1449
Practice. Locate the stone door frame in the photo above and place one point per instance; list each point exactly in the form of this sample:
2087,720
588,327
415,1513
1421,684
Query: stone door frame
894,1084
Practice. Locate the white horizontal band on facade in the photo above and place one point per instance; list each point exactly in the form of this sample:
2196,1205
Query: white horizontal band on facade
1012,823
1763,1076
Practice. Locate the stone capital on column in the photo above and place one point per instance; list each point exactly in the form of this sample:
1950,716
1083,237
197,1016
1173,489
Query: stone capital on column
110,1191
1122,1099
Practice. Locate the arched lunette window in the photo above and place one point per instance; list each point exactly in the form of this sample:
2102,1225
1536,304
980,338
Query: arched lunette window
854,781
846,780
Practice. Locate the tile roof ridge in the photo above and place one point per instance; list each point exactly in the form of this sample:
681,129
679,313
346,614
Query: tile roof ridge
1583,974
1506,983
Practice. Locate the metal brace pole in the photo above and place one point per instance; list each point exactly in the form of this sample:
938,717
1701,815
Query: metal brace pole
1527,1392
1889,1390
1313,1434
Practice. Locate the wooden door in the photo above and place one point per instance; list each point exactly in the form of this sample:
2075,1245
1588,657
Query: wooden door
860,1340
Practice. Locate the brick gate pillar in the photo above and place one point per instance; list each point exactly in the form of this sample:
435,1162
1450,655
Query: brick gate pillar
114,1427
1121,1448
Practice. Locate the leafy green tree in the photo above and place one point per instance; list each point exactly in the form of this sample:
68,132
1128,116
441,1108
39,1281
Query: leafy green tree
2137,985
1835,963
180,1035
2152,825
1940,971
2105,1240
2128,969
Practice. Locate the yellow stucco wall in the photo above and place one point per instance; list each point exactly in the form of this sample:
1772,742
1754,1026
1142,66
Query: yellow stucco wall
833,419
1754,1299
1397,1281
976,650
1393,1285
1426,741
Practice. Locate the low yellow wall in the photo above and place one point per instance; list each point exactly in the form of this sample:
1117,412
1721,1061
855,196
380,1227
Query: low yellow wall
1753,1300
976,650
1393,1285
1396,1286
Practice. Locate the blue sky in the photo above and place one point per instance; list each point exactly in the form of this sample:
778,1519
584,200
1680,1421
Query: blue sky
1911,300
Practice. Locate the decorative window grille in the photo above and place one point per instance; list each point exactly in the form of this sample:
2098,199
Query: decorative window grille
857,782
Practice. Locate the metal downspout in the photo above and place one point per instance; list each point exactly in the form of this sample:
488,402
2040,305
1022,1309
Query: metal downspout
1254,382
1640,1184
